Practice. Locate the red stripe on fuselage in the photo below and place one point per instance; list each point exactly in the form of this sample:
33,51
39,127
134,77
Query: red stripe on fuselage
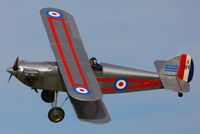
107,79
131,87
182,66
129,80
146,83
60,50
142,81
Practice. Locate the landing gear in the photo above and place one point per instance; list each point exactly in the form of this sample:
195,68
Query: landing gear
56,114
48,96
180,94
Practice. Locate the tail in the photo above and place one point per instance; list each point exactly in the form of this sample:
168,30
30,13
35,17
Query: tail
176,73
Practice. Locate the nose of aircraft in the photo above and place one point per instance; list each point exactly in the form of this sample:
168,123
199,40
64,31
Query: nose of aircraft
11,71
14,69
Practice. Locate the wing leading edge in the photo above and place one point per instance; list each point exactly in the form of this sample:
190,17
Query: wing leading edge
70,54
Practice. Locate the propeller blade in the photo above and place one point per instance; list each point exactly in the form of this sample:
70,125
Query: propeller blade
10,77
15,66
13,69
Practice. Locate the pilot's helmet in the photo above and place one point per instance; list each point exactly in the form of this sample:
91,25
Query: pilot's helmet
94,60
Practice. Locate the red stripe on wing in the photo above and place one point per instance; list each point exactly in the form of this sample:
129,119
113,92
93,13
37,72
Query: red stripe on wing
60,51
74,52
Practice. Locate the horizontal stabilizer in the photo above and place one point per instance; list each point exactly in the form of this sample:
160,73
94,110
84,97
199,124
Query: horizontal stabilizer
174,84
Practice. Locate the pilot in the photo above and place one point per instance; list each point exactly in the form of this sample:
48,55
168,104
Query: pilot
95,66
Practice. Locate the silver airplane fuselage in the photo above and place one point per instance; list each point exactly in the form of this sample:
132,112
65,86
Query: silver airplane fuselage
46,76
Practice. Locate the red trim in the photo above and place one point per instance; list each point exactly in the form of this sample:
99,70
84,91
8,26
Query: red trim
129,80
182,66
171,68
108,89
53,18
142,81
74,52
131,87
60,51
107,79
146,83
143,85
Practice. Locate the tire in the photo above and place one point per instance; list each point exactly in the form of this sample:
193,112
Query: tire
56,114
47,96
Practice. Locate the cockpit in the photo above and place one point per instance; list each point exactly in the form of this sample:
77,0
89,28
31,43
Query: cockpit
95,65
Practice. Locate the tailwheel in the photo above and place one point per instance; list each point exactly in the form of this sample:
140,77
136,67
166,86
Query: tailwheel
180,94
56,114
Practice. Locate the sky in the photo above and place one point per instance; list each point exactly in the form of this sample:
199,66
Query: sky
130,33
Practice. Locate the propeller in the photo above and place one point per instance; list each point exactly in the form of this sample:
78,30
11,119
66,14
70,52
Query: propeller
14,68
10,77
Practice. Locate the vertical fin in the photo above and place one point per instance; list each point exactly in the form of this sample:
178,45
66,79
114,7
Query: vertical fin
176,73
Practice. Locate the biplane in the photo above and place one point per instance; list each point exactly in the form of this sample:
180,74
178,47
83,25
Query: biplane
73,74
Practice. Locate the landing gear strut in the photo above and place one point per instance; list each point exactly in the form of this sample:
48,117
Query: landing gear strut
56,114
180,94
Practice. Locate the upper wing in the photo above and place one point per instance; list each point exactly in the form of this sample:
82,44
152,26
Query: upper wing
70,54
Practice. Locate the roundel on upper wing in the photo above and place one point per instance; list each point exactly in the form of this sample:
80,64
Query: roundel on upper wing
54,14
81,90
120,84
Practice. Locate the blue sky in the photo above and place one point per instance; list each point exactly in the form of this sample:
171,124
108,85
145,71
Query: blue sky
131,33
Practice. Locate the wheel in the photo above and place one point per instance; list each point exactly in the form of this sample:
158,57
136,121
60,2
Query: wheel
180,94
47,96
56,114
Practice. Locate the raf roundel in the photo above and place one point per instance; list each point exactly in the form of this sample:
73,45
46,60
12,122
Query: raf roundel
81,90
120,84
54,14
